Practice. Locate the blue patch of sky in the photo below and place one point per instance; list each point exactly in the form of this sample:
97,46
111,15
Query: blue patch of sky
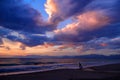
64,23
39,6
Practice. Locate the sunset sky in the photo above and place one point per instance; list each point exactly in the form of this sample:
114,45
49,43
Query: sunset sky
59,27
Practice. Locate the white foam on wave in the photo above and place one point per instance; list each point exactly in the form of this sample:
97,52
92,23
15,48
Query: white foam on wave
23,69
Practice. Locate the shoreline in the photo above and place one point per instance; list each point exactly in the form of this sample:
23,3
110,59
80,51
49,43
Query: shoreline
95,72
34,71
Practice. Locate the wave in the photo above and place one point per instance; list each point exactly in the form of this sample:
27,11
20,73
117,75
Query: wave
33,68
46,66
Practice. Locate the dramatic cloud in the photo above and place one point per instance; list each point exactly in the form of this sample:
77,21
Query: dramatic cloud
87,22
16,15
73,27
59,10
28,39
95,21
10,44
111,43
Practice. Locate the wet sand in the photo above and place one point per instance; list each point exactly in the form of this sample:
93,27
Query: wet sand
109,72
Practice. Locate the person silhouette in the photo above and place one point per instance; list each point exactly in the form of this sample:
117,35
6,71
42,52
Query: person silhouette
80,66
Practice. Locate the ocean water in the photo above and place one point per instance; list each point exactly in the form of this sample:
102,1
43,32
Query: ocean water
9,66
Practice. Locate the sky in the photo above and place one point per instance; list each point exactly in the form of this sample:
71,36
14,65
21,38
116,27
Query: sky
59,27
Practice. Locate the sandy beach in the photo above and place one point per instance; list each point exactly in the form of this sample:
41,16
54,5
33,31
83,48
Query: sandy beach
111,71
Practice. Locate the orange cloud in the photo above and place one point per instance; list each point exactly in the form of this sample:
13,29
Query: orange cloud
19,49
12,52
48,45
67,45
12,48
51,7
49,49
87,21
93,19
103,44
12,44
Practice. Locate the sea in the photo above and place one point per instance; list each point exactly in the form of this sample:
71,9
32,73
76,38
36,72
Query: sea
10,66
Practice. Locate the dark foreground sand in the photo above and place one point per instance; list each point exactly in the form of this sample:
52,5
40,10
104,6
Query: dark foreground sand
109,72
